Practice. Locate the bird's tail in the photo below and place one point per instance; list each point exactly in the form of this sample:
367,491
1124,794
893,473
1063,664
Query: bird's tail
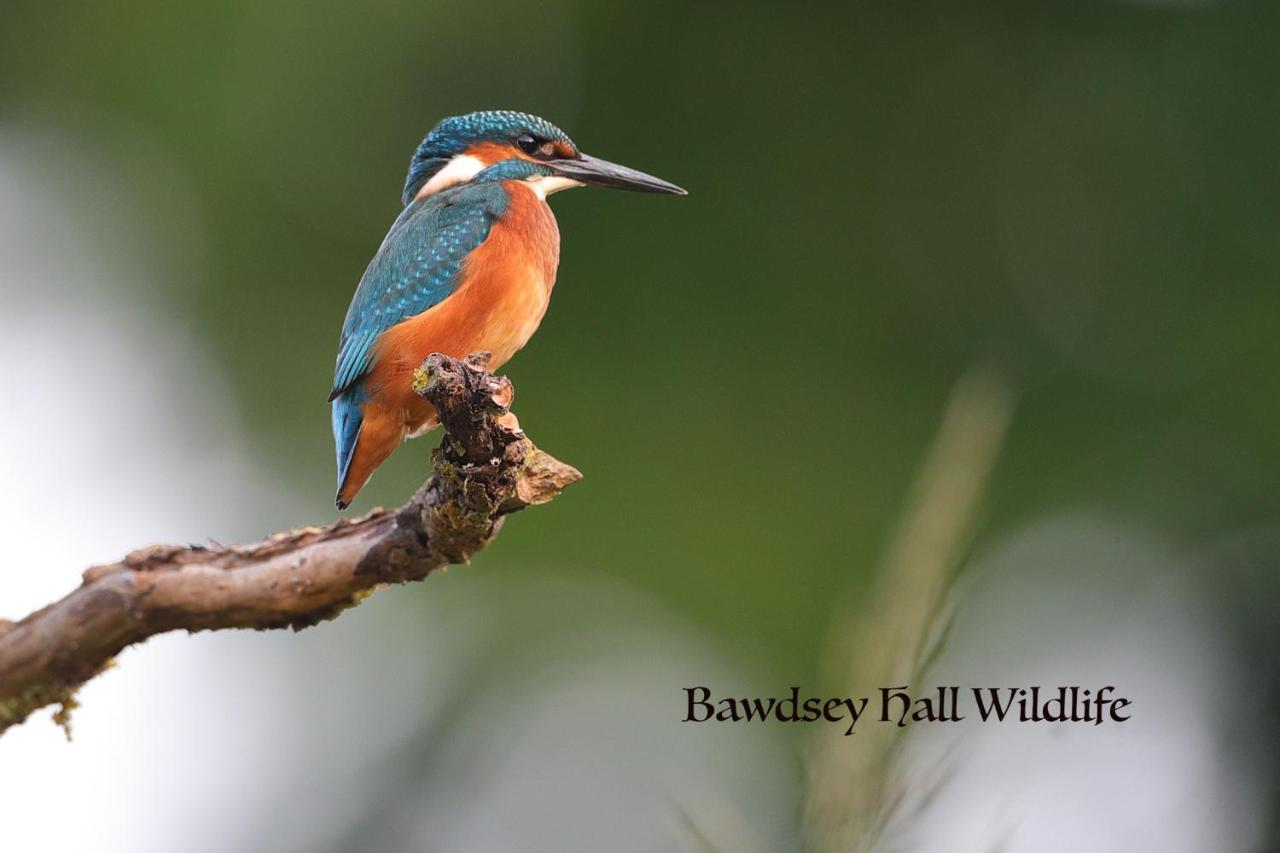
347,420
365,434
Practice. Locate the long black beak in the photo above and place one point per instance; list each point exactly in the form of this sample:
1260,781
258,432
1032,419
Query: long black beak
602,173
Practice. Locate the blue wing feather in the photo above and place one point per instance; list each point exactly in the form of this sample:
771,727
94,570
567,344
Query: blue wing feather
416,267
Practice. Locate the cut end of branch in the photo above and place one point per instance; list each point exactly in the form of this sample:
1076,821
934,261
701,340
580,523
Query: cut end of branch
542,477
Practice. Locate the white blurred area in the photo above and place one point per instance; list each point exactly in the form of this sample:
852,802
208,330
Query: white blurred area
1083,600
408,724
118,431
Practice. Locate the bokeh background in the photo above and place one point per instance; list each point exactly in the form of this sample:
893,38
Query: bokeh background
1077,200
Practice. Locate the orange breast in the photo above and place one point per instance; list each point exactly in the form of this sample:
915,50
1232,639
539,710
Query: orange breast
503,293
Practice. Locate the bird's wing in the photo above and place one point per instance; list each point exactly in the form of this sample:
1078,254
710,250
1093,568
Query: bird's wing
417,266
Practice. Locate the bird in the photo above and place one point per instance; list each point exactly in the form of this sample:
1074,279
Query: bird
468,266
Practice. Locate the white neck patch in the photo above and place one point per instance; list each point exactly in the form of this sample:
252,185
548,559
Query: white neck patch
464,167
460,169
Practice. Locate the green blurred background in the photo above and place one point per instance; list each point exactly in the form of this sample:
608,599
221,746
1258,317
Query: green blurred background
1083,195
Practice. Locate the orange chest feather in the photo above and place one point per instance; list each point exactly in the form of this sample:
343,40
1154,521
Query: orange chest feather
504,288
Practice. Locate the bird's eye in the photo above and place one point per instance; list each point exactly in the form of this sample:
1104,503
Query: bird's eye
527,144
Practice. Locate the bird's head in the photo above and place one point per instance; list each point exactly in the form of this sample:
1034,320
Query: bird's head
461,147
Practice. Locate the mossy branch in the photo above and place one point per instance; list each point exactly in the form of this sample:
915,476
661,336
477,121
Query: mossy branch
484,469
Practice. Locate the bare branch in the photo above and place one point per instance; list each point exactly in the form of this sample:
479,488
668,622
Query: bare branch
484,469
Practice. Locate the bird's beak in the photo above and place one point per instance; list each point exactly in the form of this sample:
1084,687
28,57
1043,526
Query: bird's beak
601,173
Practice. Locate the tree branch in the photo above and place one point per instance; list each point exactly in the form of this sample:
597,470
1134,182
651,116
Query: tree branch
484,469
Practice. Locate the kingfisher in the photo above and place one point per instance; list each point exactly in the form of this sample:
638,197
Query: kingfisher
467,266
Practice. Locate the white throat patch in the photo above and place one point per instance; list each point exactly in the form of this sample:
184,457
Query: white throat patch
545,185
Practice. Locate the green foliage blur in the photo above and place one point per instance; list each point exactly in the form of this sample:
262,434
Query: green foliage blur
1082,194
